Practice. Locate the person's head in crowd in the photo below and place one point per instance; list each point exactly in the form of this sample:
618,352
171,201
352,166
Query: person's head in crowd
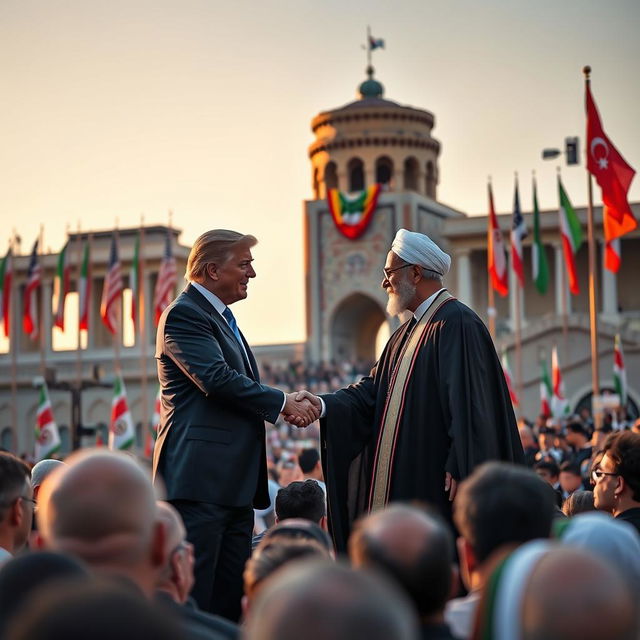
526,437
617,477
298,529
560,441
100,611
412,547
271,556
101,507
548,471
176,578
539,593
289,470
40,471
546,438
16,505
309,461
615,541
636,427
499,506
304,500
320,600
570,477
577,434
24,576
579,501
600,436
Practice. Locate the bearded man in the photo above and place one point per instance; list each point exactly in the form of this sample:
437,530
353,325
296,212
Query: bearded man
434,406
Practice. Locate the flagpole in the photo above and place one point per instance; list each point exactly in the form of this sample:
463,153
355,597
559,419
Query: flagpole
41,315
563,286
491,300
79,338
118,328
13,343
142,332
368,46
593,316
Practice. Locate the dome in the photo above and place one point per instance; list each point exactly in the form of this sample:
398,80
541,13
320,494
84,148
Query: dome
370,88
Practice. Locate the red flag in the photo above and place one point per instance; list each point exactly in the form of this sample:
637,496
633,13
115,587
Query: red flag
166,283
111,289
614,176
30,309
496,254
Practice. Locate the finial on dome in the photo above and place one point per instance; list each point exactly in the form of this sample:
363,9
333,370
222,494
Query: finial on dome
370,88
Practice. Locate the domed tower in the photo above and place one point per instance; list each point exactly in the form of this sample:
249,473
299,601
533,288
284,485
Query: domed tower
368,142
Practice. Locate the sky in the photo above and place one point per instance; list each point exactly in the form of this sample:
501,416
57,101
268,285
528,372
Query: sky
113,110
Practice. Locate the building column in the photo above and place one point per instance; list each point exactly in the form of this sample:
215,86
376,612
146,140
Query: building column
609,289
515,290
463,270
561,282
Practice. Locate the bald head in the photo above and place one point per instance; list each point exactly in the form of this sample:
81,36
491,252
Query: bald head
413,547
100,507
173,525
572,595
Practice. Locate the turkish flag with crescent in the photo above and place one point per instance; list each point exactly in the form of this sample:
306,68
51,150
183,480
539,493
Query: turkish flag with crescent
613,174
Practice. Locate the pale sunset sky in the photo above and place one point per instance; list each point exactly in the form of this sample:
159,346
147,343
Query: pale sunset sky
128,107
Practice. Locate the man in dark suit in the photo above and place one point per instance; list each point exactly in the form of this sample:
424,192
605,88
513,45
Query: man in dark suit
210,450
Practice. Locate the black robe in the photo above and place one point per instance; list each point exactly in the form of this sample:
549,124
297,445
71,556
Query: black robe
457,414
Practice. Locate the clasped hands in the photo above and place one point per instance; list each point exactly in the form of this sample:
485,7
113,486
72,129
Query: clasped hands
301,408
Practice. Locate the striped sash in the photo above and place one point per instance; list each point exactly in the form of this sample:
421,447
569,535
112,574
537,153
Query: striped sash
392,414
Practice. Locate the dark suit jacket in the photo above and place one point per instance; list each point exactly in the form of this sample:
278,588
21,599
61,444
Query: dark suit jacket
211,440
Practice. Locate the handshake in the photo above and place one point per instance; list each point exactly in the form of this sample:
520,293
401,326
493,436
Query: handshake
301,408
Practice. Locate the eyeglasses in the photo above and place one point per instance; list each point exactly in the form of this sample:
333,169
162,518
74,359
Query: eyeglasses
388,272
597,474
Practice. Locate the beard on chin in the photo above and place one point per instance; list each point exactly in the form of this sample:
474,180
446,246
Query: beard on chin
400,298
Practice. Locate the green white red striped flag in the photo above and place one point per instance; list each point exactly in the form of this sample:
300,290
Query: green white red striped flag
546,390
84,289
571,237
47,435
61,285
540,266
6,277
121,430
134,282
619,372
559,403
507,375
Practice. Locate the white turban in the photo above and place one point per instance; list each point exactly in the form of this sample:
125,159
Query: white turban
416,248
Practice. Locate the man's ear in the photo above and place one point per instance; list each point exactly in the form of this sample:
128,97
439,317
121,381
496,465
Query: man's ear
620,488
159,553
468,562
212,270
324,524
16,512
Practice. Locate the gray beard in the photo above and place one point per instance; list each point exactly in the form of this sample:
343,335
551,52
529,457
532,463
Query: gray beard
399,300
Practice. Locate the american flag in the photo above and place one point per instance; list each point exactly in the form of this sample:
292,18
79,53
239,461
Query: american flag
34,280
518,232
166,283
112,289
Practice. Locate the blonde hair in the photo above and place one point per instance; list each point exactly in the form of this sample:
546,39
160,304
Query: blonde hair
215,246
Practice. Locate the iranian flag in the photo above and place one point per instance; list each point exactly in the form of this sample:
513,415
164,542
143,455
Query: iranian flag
508,377
559,404
540,266
47,436
84,289
121,431
571,237
496,257
545,390
134,282
619,372
61,285
6,278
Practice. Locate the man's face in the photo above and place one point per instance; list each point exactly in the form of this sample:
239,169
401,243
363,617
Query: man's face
399,288
546,475
570,482
604,491
27,505
232,277
546,441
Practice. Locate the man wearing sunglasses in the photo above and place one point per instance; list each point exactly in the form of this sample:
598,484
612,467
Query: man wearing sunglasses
617,478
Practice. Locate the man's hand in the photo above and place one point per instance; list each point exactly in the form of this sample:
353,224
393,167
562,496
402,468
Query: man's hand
301,408
450,485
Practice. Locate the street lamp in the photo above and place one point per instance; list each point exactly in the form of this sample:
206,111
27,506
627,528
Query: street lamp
571,151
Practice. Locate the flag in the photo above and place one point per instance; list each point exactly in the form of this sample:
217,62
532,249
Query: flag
84,289
375,43
496,254
134,281
559,404
518,232
614,176
61,285
612,259
571,237
47,435
121,431
34,280
6,278
546,391
112,289
539,257
507,375
619,372
166,283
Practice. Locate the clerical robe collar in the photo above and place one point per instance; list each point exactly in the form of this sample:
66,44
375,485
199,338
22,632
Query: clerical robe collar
423,306
211,298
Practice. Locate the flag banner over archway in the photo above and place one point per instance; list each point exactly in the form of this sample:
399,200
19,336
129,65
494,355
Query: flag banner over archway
352,214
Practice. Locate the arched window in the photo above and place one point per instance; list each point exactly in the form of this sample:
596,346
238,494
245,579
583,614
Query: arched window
330,176
6,439
430,175
65,439
411,174
355,169
384,170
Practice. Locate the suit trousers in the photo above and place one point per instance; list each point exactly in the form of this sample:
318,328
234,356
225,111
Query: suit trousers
221,537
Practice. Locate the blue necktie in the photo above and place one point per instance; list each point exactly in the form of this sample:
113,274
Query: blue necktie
228,315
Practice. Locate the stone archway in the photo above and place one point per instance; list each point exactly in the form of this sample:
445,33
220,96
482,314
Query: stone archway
354,326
